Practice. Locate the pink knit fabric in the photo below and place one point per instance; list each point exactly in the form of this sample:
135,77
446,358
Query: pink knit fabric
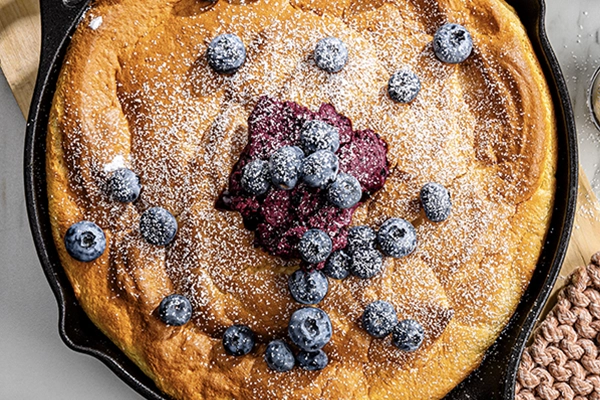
563,362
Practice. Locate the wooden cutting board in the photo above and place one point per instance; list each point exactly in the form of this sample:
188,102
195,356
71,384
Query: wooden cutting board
20,37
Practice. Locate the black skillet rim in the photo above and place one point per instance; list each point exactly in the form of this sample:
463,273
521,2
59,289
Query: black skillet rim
59,20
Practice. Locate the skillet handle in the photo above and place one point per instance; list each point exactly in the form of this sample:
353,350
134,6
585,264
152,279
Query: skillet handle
59,18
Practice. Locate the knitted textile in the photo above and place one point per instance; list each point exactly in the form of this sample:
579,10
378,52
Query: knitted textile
562,362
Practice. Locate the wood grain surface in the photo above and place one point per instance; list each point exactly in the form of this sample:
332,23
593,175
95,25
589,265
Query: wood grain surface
19,54
20,40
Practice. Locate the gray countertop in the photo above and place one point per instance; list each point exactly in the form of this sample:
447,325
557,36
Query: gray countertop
37,365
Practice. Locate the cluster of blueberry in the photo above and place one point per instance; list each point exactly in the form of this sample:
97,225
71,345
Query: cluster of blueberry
85,241
226,53
309,329
315,163
363,255
379,320
452,44
362,258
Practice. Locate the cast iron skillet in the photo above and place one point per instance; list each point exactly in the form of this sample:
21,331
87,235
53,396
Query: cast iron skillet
494,379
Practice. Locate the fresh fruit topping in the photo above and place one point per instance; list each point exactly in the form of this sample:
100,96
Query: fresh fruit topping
312,360
408,335
318,135
337,265
379,319
361,238
158,226
436,202
366,264
279,218
331,54
345,191
285,167
404,86
256,179
226,53
308,287
320,169
310,328
279,356
397,237
124,185
238,340
315,246
85,241
452,43
175,310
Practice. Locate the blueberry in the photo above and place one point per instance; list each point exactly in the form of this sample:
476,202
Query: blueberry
312,360
279,356
331,54
85,241
226,53
408,335
320,169
337,265
310,328
379,318
124,185
452,43
285,167
366,263
175,310
361,238
345,191
238,340
404,86
315,246
308,287
158,226
436,202
397,237
318,135
255,177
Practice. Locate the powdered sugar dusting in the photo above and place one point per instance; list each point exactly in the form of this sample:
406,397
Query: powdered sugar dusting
95,23
181,128
115,164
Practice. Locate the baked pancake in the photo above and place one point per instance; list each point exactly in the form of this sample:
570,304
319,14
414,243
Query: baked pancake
138,90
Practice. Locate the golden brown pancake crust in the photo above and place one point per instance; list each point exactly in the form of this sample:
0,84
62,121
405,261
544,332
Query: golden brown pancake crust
137,91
